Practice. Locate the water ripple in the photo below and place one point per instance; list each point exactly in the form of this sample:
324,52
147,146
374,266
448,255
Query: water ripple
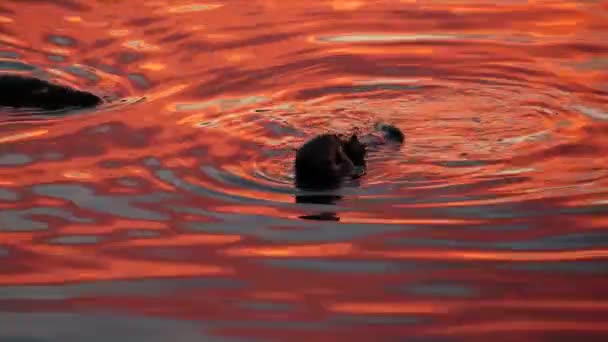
172,205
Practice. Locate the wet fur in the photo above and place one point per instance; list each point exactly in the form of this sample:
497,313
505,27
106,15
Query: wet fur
355,150
324,161
27,92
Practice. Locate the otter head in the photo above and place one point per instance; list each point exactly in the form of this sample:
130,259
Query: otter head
355,150
322,163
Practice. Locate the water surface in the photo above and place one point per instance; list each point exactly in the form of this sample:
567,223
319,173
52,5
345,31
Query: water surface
169,213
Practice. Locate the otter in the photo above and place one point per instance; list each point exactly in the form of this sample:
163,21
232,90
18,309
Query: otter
18,91
325,160
391,132
321,163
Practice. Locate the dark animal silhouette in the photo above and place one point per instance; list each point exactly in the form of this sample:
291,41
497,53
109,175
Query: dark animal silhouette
354,150
324,161
27,92
321,163
391,132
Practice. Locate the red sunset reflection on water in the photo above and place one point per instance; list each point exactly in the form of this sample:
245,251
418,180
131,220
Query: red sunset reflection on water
170,213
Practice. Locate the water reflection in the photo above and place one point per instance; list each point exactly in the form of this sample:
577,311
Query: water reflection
326,199
170,211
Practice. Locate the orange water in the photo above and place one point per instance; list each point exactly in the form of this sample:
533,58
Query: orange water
169,213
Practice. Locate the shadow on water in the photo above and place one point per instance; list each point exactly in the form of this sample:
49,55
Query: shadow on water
320,199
